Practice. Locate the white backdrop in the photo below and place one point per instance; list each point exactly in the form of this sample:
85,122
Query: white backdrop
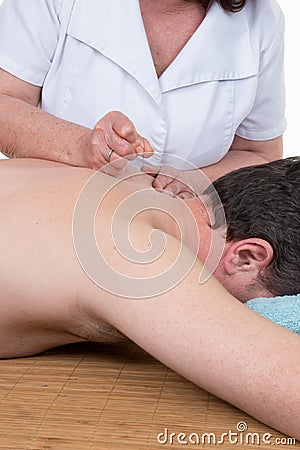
291,10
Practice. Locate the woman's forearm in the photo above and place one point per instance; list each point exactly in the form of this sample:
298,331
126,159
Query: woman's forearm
27,131
233,160
244,152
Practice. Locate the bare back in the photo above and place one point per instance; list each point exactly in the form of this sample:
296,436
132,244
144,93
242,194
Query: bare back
40,275
47,299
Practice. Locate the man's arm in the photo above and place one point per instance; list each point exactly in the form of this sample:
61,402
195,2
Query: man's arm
206,335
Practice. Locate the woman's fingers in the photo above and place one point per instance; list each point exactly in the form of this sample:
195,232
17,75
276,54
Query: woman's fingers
148,150
107,140
170,181
125,129
174,188
116,133
163,175
151,170
113,138
123,126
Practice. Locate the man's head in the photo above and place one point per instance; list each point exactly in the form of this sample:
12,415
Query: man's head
262,209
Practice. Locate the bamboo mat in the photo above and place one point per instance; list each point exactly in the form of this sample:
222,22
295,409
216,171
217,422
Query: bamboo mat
112,397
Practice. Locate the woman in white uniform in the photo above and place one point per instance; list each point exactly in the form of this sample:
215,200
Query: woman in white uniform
200,81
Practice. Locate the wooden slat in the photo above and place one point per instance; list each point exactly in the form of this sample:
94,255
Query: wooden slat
100,397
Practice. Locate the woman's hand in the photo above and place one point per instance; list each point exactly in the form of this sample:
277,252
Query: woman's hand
113,140
171,181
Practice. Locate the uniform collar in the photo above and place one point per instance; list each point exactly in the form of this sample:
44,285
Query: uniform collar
219,49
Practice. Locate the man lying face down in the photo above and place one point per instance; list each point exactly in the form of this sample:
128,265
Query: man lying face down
51,295
262,208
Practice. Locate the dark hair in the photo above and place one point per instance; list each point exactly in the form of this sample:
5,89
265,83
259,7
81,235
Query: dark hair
264,202
232,5
227,5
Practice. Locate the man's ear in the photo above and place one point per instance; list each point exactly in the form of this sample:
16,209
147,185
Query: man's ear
248,256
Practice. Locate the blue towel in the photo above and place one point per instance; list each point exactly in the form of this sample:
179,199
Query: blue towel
284,311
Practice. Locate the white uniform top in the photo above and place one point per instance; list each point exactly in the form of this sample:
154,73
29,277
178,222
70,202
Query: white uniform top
92,56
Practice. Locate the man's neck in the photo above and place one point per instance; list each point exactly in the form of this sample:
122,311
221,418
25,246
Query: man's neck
180,219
